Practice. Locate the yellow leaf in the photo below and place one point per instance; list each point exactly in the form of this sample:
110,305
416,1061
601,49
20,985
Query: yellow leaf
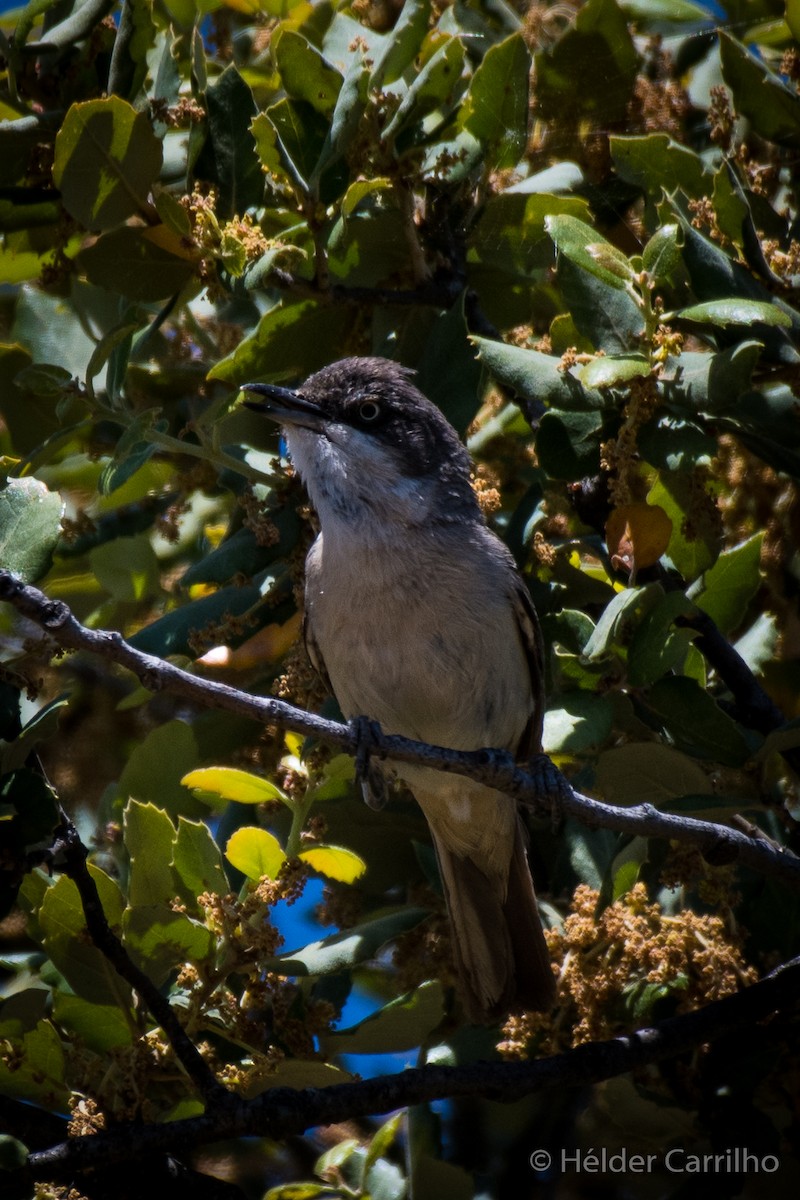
335,862
637,535
233,784
255,852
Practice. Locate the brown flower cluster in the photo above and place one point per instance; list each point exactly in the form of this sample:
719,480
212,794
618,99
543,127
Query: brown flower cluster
612,962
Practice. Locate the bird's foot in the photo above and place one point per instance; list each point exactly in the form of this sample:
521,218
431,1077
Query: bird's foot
369,776
551,786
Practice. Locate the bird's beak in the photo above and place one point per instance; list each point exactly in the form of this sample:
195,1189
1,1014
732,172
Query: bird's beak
284,406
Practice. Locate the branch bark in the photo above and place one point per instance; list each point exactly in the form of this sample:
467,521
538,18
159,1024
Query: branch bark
282,1112
537,784
74,855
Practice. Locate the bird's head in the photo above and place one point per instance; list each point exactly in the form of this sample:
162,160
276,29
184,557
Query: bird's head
367,443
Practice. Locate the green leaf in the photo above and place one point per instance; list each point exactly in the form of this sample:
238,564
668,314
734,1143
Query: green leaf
160,940
242,556
233,784
42,726
346,119
344,950
126,567
655,163
715,275
535,376
657,647
607,317
568,444
648,773
384,1138
660,16
758,646
197,860
430,88
227,158
304,73
729,586
34,1069
290,339
255,852
510,232
44,379
335,862
695,722
106,160
495,109
155,767
291,137
174,632
589,71
63,925
588,250
581,722
610,370
149,839
400,1025
298,1073
400,46
132,451
29,808
733,312
30,525
625,610
793,18
694,544
101,1027
137,263
771,106
661,255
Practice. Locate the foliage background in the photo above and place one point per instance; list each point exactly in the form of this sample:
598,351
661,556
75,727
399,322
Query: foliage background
578,223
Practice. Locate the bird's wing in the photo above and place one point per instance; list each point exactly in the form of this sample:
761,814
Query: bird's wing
531,637
315,654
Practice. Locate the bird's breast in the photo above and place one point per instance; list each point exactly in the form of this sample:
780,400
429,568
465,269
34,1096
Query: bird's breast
422,639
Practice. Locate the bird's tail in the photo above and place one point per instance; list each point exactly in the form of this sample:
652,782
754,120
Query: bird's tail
500,950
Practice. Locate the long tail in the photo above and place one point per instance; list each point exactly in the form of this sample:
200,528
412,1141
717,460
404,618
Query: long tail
500,950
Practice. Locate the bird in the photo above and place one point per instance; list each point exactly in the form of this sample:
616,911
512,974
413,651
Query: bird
416,617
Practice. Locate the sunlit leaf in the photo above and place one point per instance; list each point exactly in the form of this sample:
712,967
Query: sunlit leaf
30,521
734,312
336,862
230,783
107,157
255,852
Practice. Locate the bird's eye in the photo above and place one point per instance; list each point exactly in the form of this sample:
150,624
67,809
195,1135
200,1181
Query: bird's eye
369,411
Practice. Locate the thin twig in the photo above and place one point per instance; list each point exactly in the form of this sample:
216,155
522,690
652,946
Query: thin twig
530,784
72,856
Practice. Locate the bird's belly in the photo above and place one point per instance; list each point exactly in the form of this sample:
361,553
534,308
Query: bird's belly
425,666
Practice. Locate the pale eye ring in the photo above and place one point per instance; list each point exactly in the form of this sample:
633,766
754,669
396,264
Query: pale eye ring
369,411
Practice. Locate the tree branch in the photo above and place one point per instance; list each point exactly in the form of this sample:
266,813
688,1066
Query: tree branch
73,853
282,1112
537,784
757,709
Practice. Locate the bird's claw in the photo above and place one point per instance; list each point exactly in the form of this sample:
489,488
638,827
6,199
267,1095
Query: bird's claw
550,785
369,778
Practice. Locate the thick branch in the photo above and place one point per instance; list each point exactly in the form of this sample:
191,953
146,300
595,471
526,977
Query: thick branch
495,768
74,28
282,1112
